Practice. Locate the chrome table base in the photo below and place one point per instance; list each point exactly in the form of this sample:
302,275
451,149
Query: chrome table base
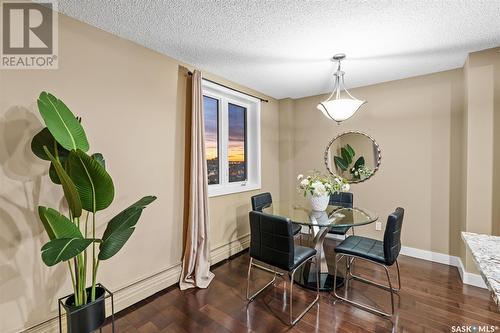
306,275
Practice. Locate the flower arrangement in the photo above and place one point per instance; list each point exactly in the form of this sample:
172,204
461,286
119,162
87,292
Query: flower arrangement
318,185
362,172
358,170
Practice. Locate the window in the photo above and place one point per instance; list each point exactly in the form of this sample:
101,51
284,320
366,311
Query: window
211,109
237,143
232,140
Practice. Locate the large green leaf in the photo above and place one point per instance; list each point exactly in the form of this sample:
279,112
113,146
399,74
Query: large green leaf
94,184
63,249
340,163
346,156
68,186
45,138
53,175
62,123
121,227
350,150
99,158
359,162
57,225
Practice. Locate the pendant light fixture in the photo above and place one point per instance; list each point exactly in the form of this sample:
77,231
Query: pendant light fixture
337,107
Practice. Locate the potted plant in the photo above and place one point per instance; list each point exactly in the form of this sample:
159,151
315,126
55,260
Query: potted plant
318,188
88,189
358,170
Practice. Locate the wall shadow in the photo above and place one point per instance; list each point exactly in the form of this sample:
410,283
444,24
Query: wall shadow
30,288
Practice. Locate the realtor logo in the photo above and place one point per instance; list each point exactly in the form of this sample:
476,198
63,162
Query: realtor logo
29,35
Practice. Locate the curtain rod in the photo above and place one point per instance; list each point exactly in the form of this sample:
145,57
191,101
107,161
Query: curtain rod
241,92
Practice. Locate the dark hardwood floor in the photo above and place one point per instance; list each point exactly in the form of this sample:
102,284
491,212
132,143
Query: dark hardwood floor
432,299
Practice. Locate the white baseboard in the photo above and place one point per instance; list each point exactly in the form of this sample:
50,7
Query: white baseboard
146,287
470,278
124,297
430,256
150,285
225,251
467,278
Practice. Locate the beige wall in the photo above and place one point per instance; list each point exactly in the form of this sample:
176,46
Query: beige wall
415,121
482,107
489,61
132,101
440,141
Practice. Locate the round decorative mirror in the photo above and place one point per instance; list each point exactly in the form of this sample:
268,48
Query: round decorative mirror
354,156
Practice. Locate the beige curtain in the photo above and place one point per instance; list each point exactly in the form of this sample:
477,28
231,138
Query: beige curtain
196,261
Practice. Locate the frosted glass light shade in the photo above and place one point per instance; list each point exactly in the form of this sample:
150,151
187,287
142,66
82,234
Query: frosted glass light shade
340,109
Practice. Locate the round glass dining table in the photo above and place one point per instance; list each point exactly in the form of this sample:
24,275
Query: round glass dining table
319,223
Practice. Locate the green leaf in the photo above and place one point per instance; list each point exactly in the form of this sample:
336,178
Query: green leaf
57,225
62,123
45,138
346,156
114,243
53,174
93,183
359,162
121,227
340,163
350,150
99,158
70,192
63,249
52,170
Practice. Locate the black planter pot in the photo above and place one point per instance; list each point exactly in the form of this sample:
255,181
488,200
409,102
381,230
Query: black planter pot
88,317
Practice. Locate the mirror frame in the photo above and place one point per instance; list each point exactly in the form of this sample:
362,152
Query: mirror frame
379,155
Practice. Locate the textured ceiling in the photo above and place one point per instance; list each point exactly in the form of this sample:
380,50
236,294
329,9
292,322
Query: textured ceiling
282,48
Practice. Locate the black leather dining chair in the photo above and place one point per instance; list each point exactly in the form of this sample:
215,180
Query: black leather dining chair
272,243
264,200
384,253
342,199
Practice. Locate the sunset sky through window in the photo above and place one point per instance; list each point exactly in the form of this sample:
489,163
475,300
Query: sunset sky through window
236,144
236,133
210,106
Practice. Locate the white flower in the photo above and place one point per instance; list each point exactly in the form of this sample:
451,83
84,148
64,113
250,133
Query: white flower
299,177
304,183
346,187
338,180
319,189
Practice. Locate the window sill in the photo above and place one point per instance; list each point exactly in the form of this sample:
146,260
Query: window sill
219,191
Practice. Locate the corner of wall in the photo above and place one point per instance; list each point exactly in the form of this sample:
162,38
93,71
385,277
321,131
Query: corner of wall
482,146
286,147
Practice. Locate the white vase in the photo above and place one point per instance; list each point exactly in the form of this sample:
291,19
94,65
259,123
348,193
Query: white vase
319,203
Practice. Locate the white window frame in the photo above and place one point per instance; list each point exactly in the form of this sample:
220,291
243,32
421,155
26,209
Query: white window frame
253,151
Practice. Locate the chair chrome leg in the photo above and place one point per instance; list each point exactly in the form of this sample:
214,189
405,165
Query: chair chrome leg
250,298
399,276
290,297
347,274
264,268
390,287
294,321
359,278
363,306
335,274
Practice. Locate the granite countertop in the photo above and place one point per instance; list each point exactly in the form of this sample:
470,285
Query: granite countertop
486,253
